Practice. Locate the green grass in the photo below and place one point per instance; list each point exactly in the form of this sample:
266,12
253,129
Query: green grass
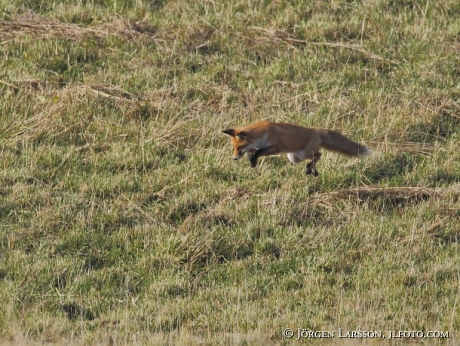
124,220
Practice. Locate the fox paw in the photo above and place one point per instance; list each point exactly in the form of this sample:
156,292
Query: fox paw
309,171
253,162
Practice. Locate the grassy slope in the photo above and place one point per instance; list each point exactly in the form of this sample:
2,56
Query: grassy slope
123,218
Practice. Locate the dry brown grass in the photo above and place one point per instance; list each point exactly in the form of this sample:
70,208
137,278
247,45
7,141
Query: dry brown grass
405,193
408,147
35,26
52,100
292,42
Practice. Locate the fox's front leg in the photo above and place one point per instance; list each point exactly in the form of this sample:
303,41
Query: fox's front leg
267,151
311,170
251,154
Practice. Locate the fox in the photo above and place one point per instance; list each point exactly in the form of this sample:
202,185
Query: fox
267,138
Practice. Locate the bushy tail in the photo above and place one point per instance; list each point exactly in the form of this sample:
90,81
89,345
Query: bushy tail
335,141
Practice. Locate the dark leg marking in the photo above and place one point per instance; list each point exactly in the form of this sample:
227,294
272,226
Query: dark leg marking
262,152
311,166
251,154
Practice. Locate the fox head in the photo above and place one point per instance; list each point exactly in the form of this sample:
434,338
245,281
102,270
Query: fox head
240,142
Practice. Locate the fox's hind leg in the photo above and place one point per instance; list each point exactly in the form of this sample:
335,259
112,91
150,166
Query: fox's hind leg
311,166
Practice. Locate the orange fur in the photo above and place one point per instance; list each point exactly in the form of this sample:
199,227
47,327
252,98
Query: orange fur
300,143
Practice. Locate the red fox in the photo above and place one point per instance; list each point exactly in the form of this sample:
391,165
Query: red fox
300,143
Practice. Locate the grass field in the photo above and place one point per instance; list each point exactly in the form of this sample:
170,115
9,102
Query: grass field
124,220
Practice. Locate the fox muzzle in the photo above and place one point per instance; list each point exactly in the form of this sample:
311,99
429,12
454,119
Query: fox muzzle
240,155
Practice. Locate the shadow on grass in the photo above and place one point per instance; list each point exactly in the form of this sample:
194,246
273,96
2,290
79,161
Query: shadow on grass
440,127
381,198
449,237
443,178
184,210
313,216
201,251
393,166
75,311
317,210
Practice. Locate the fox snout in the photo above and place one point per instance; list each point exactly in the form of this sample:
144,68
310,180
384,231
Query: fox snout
238,156
239,142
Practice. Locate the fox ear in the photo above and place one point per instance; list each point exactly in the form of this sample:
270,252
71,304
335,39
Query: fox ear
229,132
